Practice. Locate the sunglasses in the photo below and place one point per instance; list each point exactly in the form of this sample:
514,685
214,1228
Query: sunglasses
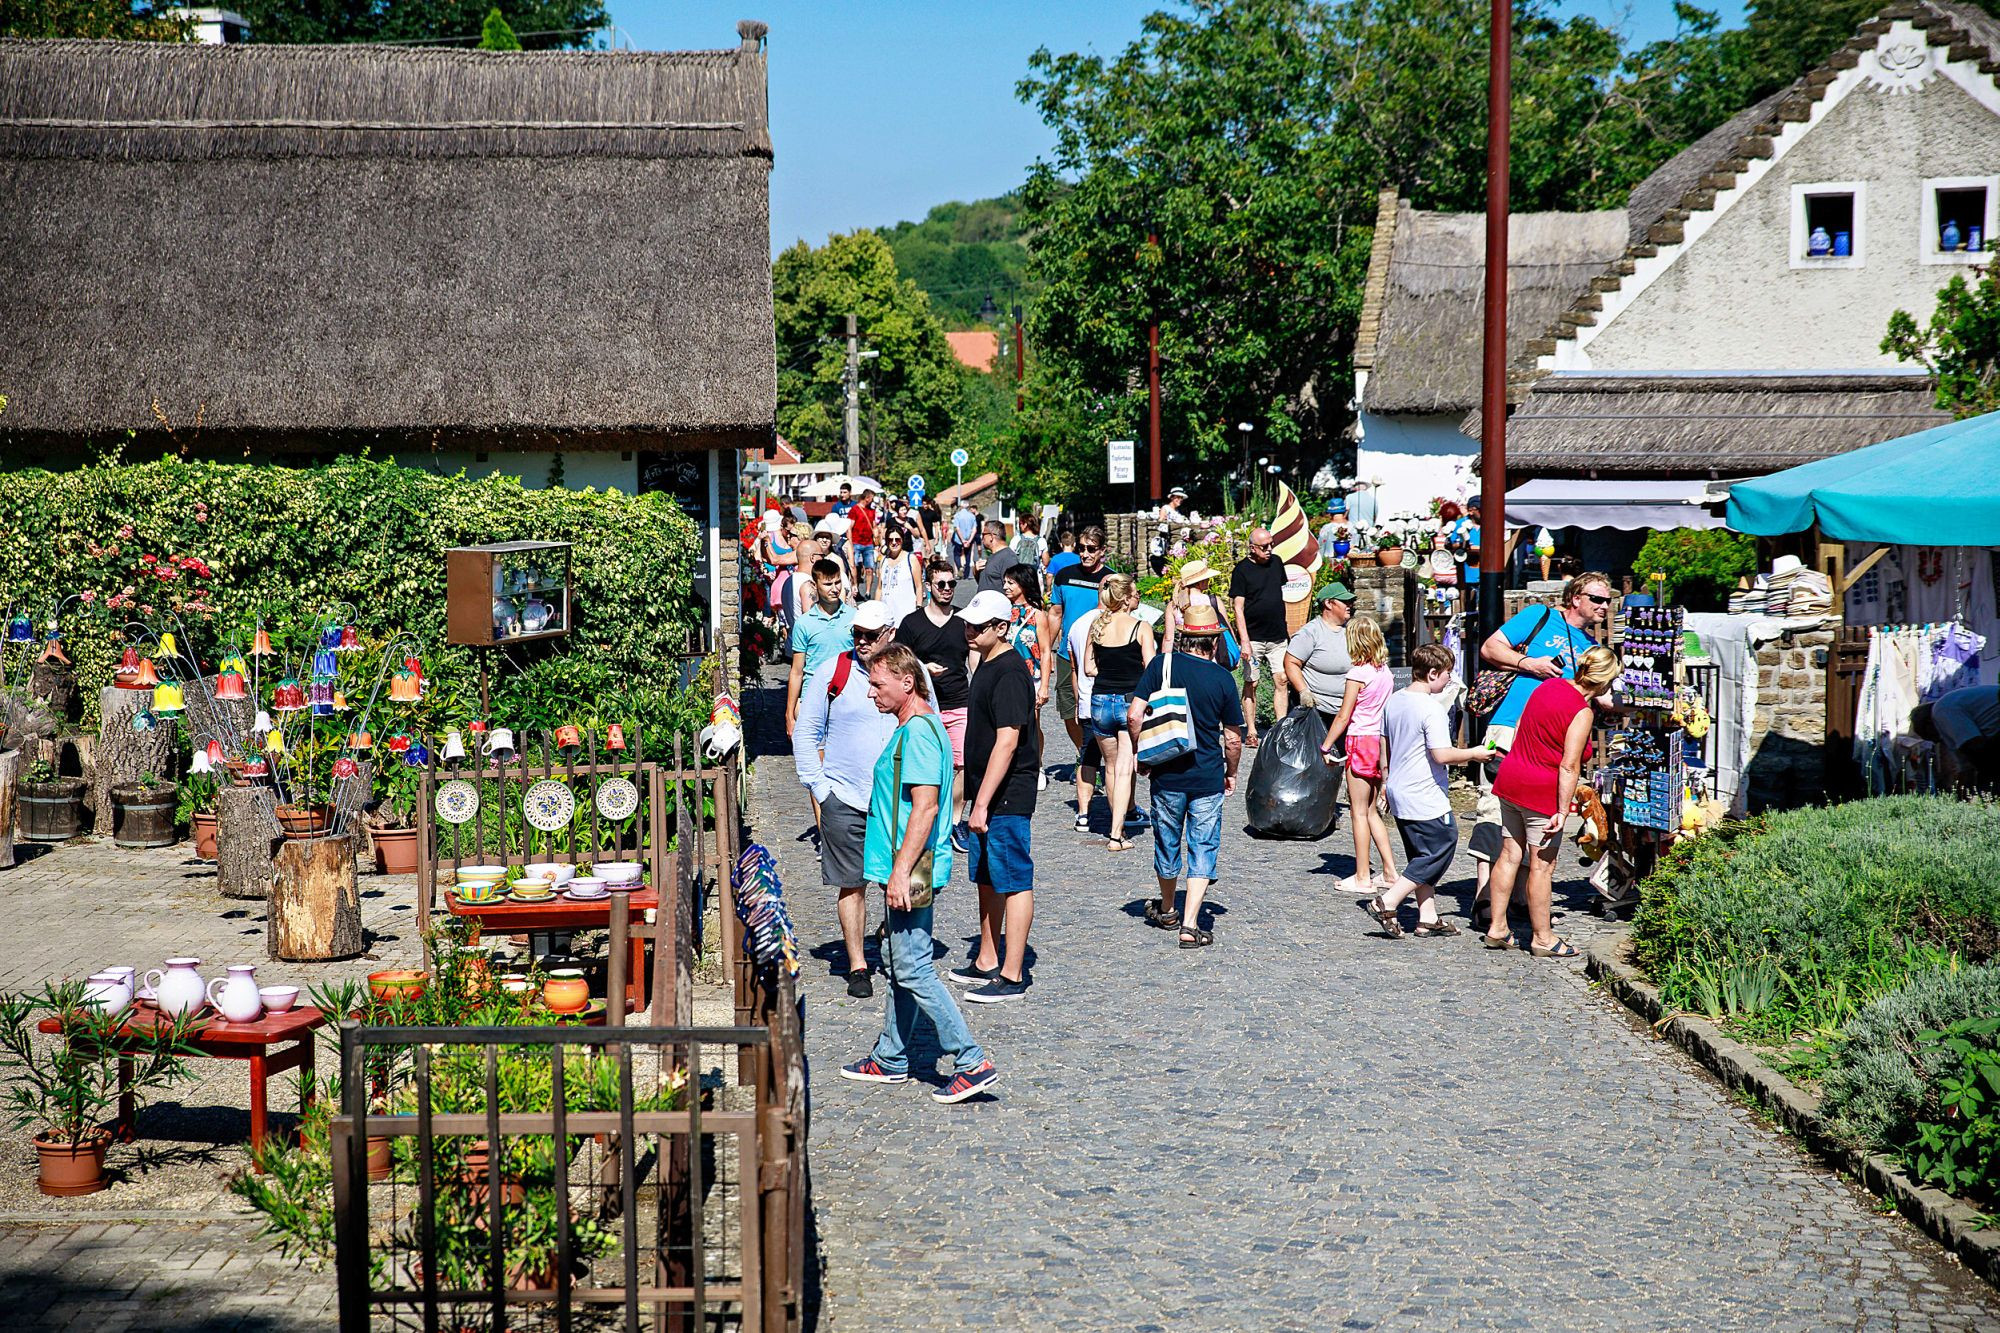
1593,597
1260,546
868,635
944,583
1088,549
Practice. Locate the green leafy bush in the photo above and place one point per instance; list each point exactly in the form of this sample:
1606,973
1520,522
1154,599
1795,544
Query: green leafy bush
223,543
1701,565
1883,1081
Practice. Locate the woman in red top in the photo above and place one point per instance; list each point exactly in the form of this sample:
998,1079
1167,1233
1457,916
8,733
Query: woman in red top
1537,780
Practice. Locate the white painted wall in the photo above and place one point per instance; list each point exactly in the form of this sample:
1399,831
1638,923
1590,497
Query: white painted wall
1416,457
601,469
1734,300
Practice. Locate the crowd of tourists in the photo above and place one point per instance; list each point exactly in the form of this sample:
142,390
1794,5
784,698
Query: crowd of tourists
916,727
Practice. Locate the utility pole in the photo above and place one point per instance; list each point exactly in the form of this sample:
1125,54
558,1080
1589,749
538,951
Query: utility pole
1154,461
852,383
1493,383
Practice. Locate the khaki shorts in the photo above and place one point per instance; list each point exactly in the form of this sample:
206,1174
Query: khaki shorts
1529,829
1065,690
1270,653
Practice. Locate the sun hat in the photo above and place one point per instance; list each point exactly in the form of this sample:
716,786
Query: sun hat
1201,622
1195,571
1335,589
871,615
987,607
1177,491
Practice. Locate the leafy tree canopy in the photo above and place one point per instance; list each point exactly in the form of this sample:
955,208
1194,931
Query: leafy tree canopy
496,34
540,24
119,20
1960,346
961,254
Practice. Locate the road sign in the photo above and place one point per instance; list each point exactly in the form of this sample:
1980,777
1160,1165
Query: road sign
756,470
1124,464
959,458
916,484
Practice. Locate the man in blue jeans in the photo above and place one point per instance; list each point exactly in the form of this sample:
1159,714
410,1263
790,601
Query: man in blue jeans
906,824
1188,791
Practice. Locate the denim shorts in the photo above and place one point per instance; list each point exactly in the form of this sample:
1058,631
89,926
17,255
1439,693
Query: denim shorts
1108,715
864,556
1191,822
1000,857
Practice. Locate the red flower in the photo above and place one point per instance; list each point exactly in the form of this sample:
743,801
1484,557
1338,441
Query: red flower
87,596
149,560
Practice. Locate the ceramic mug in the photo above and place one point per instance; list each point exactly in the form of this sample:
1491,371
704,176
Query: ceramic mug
108,991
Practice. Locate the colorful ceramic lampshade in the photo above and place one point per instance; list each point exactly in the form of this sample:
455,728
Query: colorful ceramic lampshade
418,754
399,743
148,676
325,665
201,762
168,647
345,767
143,720
234,662
229,687
329,638
260,645
52,650
256,768
214,753
21,629
289,697
614,737
168,697
262,722
454,747
404,687
350,640
274,743
339,702
360,740
128,665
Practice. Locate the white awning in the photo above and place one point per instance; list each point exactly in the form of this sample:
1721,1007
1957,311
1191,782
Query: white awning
1630,506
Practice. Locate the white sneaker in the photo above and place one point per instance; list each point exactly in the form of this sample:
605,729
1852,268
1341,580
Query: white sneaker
1042,781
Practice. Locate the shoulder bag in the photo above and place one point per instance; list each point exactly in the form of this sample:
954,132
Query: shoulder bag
1168,732
1491,684
923,875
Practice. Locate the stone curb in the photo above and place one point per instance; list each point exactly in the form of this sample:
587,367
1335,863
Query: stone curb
1947,1219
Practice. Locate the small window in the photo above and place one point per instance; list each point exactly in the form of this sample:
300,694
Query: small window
1827,224
1958,219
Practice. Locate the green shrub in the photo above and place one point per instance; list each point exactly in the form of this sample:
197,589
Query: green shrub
1701,565
287,543
1883,1082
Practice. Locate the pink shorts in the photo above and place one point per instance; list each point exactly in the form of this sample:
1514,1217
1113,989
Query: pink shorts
954,727
1364,757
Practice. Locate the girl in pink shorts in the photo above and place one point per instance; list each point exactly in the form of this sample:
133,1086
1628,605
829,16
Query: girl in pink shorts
1369,685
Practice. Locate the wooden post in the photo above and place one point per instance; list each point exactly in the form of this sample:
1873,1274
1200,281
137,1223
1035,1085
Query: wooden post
315,911
246,841
125,755
10,778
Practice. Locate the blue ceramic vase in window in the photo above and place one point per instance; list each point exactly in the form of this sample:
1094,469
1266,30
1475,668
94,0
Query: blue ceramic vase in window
1949,238
1843,243
1819,244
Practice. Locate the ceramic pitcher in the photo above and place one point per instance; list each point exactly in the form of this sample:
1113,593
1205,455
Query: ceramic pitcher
109,991
180,989
239,1000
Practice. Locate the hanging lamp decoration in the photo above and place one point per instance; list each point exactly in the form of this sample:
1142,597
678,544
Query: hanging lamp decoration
21,629
143,720
260,644
256,768
340,704
350,640
360,740
345,767
201,763
128,665
399,743
289,697
418,755
233,662
324,665
274,743
214,752
148,675
329,638
52,650
405,687
168,697
230,687
262,722
168,648
320,696
415,666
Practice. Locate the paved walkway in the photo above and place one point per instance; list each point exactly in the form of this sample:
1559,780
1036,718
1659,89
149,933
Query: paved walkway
1308,1126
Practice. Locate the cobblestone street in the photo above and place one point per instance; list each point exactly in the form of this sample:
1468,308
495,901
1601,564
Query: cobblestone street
1308,1126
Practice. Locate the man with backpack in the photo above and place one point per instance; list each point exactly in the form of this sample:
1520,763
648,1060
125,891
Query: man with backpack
840,735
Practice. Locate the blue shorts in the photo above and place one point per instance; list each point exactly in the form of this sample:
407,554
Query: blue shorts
1186,823
1108,715
1000,859
864,556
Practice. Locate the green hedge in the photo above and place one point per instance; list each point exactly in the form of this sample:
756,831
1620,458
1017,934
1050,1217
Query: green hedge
287,542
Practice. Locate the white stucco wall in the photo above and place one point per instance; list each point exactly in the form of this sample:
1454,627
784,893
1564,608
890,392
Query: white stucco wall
1415,457
1733,300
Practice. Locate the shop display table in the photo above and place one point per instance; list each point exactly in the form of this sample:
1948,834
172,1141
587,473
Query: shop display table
562,913
291,1032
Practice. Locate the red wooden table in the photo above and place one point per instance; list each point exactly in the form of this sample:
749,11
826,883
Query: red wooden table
219,1037
565,913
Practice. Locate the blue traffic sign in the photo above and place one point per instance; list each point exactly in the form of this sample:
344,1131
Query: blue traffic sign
917,483
959,458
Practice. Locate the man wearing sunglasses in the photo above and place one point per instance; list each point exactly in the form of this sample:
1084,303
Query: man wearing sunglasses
1539,643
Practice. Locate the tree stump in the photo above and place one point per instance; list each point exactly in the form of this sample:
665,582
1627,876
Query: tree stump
54,684
246,841
315,909
10,778
225,720
125,755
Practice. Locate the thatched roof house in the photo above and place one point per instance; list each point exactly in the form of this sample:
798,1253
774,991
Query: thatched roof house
325,247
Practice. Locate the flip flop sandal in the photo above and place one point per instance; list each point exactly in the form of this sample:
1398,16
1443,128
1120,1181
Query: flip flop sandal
1163,919
1119,844
1191,938
1383,917
1502,942
1430,928
1562,948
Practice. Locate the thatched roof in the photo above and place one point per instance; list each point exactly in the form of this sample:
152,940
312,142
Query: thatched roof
294,242
1420,339
1606,424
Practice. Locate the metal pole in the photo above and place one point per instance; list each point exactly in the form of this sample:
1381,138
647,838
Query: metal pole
1493,383
851,383
1156,490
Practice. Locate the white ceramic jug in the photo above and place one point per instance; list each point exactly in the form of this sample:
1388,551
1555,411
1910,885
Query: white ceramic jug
109,991
239,1000
180,989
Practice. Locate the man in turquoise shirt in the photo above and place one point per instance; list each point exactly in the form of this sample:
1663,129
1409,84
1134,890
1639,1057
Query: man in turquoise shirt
821,634
1550,640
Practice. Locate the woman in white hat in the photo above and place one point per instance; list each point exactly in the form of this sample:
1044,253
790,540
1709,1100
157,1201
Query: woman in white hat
1193,586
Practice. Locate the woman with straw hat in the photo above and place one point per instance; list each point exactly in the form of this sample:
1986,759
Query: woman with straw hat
1193,586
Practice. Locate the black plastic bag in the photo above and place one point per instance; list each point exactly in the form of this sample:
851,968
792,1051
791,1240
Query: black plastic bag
1292,789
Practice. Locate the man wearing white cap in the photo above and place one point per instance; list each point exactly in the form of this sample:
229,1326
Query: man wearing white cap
840,735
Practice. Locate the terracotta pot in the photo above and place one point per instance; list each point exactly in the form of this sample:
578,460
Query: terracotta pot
52,811
203,824
476,1178
71,1169
301,822
381,1163
1389,557
395,851
143,816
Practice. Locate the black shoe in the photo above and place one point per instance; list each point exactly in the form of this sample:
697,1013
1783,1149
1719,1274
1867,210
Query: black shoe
973,975
860,985
997,990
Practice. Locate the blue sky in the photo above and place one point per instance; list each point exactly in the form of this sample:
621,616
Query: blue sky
882,108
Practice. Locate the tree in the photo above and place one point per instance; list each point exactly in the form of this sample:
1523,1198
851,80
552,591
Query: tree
916,388
540,24
118,20
961,254
1960,347
495,34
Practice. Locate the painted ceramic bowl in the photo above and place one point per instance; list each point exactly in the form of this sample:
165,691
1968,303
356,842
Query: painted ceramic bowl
620,872
481,892
278,999
397,984
588,886
481,872
550,870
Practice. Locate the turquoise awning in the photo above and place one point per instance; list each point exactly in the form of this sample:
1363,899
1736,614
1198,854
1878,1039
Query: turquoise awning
1939,487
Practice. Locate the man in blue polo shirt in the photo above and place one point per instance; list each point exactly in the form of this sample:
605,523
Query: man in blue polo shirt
1539,643
823,630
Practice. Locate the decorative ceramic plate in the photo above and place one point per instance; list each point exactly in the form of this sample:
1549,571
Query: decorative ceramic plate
549,805
617,798
456,801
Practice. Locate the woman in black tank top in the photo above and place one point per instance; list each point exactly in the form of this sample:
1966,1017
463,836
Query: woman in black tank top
1118,648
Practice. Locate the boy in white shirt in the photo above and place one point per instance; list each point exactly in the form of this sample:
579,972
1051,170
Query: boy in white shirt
1418,738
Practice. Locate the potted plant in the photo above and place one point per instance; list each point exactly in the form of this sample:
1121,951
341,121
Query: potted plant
51,805
196,809
61,1088
392,823
142,812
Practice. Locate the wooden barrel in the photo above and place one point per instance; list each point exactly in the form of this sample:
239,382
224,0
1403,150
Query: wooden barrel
142,816
52,811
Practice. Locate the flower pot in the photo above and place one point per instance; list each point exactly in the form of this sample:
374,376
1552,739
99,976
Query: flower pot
203,824
69,1169
477,1178
397,984
300,821
395,851
380,1161
1389,557
143,816
52,811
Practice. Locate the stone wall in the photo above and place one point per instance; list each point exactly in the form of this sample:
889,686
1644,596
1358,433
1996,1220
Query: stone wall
1787,765
1389,595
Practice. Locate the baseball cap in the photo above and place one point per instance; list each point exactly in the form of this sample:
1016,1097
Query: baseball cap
871,615
1335,589
987,607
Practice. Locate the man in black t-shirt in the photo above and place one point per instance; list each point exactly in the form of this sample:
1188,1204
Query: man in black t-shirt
937,637
1003,760
1257,594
